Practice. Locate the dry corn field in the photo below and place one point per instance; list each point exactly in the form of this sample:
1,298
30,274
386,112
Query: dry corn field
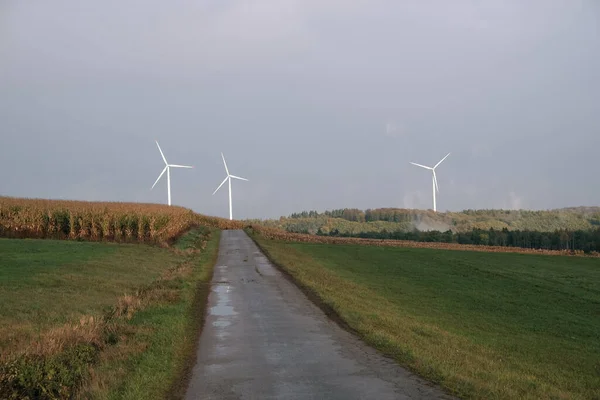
99,221
277,234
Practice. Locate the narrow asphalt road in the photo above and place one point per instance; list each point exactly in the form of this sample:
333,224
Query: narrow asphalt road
263,339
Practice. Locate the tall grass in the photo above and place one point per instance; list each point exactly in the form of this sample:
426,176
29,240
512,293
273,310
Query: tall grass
100,221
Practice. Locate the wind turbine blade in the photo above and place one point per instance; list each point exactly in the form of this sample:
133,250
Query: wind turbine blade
161,153
161,174
441,160
237,177
422,166
179,166
435,181
224,180
223,157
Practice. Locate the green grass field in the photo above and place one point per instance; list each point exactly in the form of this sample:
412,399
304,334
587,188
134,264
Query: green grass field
483,325
44,283
46,286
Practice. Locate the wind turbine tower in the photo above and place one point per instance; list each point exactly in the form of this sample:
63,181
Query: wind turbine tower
168,170
228,178
434,179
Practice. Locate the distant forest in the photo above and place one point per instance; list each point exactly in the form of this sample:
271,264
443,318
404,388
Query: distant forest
576,228
586,241
592,214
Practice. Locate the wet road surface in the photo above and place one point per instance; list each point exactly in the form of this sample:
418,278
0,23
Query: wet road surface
263,339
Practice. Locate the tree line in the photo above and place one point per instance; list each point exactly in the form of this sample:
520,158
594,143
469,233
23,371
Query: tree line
583,240
572,219
356,215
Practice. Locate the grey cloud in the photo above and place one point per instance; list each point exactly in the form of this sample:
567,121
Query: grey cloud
295,93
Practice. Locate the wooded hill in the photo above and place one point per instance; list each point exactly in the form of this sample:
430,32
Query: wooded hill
355,221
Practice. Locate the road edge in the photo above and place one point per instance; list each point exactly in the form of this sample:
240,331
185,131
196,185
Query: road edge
333,315
312,295
181,383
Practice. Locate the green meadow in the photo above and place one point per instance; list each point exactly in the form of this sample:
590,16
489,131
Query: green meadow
483,325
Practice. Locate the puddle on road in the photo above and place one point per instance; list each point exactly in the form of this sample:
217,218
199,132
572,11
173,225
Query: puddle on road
222,308
222,311
221,324
223,291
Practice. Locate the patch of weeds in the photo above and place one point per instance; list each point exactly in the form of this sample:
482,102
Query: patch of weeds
55,376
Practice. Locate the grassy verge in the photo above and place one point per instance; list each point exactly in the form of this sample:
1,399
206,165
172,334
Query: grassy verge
482,325
83,319
168,333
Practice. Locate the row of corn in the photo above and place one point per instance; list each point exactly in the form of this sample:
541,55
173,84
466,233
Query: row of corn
120,222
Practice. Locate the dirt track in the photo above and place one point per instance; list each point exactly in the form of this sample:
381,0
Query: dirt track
263,339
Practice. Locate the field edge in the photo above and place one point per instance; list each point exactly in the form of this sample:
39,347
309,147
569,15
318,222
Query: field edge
309,292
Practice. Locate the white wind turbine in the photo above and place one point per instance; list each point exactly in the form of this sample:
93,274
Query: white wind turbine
434,179
168,170
228,177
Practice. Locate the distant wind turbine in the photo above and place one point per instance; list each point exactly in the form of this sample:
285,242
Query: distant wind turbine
168,170
434,179
228,178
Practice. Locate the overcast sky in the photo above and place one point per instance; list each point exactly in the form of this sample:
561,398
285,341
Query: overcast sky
320,104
